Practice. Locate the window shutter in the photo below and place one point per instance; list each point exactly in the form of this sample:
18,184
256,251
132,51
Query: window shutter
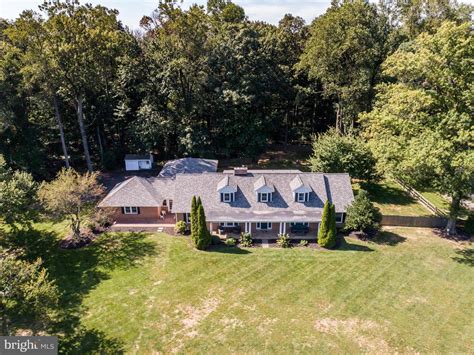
138,210
123,210
295,195
232,198
258,197
271,197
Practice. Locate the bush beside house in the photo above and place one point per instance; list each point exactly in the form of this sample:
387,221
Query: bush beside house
363,216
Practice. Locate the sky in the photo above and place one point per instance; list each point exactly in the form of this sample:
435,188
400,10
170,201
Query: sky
131,11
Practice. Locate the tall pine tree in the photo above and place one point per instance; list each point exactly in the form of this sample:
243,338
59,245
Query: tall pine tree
323,228
327,231
203,235
194,220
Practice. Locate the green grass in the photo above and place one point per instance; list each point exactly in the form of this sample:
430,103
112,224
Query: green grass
436,199
139,293
392,199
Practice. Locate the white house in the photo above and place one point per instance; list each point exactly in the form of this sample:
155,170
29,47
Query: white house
134,162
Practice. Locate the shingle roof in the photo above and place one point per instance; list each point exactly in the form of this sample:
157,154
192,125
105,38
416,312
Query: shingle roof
335,186
139,191
150,192
188,166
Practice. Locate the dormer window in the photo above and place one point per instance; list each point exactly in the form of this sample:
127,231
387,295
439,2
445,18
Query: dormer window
300,190
226,191
264,197
227,197
302,197
263,190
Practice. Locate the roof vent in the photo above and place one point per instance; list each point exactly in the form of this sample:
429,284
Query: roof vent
241,171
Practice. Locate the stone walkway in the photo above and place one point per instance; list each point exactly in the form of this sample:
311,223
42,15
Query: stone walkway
265,244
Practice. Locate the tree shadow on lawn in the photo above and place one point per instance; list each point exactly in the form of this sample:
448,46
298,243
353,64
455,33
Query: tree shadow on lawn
225,249
388,238
345,246
465,256
77,272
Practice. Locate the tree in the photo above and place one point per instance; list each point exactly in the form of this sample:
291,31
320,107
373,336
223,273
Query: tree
421,126
417,16
25,290
203,236
344,52
18,198
337,153
327,230
331,238
194,220
82,42
28,32
362,215
72,196
324,226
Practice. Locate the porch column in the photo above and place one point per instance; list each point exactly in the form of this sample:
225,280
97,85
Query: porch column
250,228
284,227
281,228
210,226
246,227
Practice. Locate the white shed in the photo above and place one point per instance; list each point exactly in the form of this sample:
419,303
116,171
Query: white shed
134,162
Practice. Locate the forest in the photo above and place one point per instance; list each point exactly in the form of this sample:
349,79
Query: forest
77,88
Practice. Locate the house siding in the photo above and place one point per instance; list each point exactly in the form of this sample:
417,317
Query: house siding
147,215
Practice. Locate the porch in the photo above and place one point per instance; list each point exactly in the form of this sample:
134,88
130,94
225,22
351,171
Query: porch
266,230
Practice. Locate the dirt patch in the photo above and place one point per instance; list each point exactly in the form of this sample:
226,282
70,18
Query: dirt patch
365,333
193,316
231,323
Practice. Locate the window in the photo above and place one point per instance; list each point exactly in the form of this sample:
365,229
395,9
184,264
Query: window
131,210
299,224
264,225
228,224
164,203
187,217
301,197
264,197
227,197
339,217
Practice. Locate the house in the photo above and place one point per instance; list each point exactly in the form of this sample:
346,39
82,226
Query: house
264,202
135,162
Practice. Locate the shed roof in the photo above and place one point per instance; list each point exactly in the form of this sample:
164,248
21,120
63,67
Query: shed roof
138,157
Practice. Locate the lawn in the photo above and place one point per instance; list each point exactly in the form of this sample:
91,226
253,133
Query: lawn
146,293
392,199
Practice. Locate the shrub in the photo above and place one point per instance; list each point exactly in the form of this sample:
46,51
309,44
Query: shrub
230,242
337,153
303,243
283,241
215,240
104,217
180,227
246,240
362,215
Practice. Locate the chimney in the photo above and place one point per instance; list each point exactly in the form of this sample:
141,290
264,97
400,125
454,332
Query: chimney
241,171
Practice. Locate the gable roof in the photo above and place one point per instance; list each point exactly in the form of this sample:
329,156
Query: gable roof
188,166
139,191
336,187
